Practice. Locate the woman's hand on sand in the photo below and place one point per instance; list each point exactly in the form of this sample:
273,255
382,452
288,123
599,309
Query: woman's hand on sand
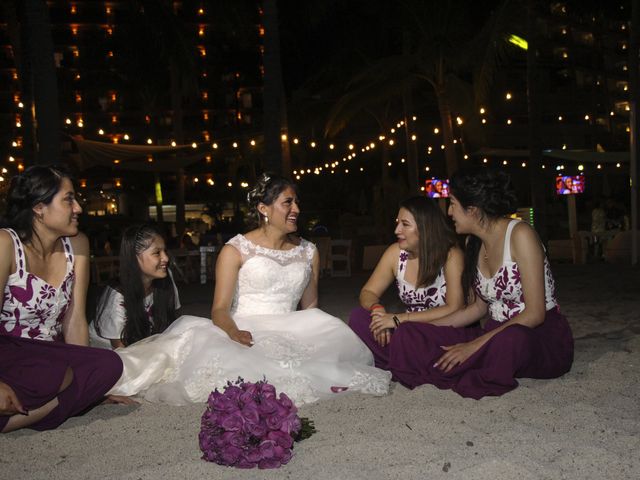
9,402
456,355
119,400
380,322
242,336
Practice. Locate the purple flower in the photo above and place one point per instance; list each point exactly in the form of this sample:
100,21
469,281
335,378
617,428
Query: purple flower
267,390
258,430
232,422
266,448
269,463
247,425
291,424
268,405
231,454
274,422
281,439
250,413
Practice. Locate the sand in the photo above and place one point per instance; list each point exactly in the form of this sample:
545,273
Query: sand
584,425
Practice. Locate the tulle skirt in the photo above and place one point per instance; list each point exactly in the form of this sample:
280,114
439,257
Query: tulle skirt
307,354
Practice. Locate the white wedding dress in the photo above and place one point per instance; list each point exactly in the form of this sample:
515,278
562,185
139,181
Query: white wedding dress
307,354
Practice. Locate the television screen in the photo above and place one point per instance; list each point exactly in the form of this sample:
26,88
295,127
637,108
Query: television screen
437,188
569,184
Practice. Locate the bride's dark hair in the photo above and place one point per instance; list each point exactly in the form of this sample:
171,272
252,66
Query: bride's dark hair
267,189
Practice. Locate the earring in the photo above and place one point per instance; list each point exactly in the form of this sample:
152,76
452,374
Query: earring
266,219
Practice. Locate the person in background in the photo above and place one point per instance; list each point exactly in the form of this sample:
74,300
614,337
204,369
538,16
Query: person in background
426,266
47,372
146,299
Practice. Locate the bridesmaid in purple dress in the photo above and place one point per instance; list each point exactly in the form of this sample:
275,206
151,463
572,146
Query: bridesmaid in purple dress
507,276
426,265
47,373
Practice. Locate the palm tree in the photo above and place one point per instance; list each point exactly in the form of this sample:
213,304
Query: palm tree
535,141
442,47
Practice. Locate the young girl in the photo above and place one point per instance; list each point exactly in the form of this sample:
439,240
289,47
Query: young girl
47,373
426,265
507,276
146,300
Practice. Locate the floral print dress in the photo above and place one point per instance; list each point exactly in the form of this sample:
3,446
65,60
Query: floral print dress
421,298
33,308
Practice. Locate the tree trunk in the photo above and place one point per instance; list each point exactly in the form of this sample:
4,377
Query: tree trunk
178,132
444,107
634,81
537,182
274,105
36,30
412,154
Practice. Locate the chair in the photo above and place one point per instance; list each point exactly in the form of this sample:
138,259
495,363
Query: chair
340,258
104,269
323,244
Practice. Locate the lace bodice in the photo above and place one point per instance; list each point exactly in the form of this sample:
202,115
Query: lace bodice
503,291
423,298
270,281
33,308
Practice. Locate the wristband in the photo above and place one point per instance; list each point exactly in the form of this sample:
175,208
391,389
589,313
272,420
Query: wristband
396,320
375,306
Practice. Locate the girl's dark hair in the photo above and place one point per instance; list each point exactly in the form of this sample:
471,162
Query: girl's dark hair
492,193
267,189
135,240
37,184
435,235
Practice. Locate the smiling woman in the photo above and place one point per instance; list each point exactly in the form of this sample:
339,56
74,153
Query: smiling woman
256,329
44,270
426,265
145,300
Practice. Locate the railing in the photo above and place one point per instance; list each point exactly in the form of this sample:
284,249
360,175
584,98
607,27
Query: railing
187,265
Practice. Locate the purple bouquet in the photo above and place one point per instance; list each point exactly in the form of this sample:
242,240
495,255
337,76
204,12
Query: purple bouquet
246,425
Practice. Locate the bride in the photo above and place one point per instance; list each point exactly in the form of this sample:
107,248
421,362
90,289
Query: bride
261,279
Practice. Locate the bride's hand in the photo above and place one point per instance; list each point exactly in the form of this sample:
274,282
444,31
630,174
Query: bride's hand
241,336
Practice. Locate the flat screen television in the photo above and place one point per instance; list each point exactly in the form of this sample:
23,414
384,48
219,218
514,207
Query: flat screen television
437,188
569,184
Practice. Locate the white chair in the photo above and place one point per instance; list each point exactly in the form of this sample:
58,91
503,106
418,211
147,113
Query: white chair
340,258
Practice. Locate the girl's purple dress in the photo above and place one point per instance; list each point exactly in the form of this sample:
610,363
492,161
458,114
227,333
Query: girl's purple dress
545,351
414,300
33,359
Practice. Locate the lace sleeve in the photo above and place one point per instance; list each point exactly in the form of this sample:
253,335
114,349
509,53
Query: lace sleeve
309,250
242,245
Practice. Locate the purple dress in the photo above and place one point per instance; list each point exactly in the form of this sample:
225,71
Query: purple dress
33,359
545,351
414,300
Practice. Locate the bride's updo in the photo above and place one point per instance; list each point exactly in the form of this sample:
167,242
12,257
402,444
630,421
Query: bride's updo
267,189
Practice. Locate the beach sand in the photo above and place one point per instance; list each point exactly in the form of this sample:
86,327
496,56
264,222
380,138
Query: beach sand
585,425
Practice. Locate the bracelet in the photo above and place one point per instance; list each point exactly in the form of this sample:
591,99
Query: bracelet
375,306
396,320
